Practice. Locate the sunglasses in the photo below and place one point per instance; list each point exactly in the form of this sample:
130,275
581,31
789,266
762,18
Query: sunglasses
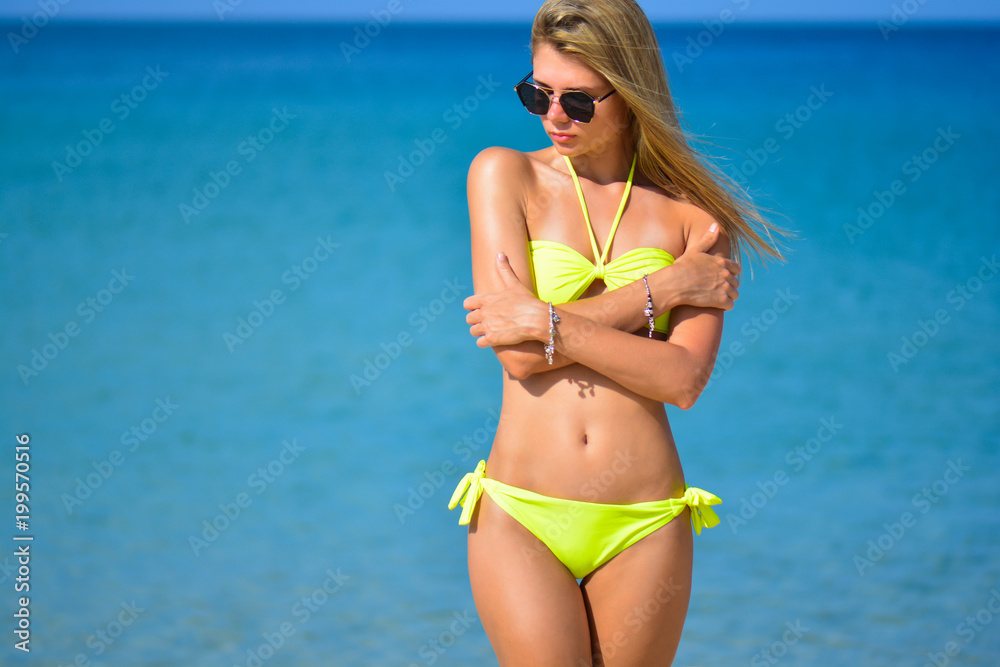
577,104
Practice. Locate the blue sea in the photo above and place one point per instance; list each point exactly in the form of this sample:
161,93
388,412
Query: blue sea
233,258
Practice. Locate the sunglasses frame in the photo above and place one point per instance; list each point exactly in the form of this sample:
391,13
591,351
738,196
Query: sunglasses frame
552,97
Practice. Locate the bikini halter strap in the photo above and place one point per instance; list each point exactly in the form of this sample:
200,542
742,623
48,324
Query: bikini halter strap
602,257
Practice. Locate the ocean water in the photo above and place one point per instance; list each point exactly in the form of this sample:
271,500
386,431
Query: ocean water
233,258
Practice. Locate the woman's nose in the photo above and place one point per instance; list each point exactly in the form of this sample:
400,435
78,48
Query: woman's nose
555,113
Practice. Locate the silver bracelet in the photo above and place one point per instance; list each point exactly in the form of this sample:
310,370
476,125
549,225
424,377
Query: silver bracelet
648,312
550,349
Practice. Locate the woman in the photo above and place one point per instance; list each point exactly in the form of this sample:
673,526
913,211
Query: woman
580,540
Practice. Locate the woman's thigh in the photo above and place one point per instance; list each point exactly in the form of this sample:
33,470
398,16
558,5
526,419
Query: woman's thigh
531,606
637,601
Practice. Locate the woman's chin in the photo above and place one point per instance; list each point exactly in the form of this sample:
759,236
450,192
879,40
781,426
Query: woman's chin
569,149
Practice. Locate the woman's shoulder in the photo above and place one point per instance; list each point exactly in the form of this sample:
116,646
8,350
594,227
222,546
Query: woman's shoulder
498,177
512,173
500,161
695,222
686,219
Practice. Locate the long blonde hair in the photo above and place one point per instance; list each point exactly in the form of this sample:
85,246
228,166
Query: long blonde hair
615,38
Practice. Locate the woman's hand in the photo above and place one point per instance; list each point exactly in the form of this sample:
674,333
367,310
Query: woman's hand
508,317
705,280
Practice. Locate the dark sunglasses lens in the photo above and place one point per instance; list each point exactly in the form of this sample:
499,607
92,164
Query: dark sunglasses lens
578,106
533,99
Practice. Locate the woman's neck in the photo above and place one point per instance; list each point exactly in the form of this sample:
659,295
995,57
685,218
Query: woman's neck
610,165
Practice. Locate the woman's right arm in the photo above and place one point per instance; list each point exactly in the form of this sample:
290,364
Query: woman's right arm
498,183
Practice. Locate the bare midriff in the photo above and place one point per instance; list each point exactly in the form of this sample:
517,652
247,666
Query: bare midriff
573,433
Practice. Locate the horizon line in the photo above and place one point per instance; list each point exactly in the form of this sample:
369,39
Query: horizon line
303,21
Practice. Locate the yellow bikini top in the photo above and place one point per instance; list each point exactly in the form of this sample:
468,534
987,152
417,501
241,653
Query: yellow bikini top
561,274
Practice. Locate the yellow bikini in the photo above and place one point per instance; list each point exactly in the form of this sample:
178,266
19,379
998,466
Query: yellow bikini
585,535
582,535
562,274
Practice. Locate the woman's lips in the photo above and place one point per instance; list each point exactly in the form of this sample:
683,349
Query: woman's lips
561,137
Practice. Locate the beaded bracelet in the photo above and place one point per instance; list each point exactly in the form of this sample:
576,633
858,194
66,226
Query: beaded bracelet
648,311
550,349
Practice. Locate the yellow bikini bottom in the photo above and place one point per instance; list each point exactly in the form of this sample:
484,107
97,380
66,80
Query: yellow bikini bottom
582,535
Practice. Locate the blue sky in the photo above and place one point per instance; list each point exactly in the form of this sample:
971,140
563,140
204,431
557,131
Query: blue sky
505,10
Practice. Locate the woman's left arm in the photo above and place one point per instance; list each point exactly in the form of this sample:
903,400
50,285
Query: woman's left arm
675,371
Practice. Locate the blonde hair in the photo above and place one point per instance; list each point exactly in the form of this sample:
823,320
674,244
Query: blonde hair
615,38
